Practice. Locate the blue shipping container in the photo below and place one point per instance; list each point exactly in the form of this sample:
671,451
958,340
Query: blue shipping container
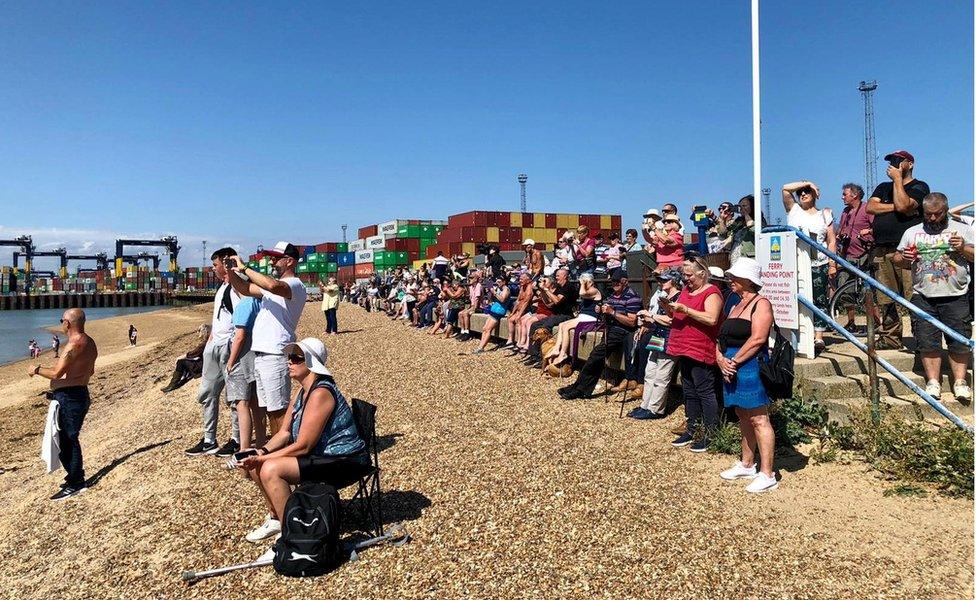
332,257
346,259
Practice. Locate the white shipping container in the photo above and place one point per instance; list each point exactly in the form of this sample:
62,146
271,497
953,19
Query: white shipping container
375,242
389,228
356,245
364,256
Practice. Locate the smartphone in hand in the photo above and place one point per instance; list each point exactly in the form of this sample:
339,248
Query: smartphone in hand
240,456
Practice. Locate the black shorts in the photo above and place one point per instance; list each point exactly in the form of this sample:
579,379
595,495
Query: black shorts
338,471
953,311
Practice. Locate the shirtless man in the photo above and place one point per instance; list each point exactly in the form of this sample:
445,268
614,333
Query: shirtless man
69,387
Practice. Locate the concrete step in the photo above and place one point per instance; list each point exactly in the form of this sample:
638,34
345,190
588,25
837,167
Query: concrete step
845,358
840,409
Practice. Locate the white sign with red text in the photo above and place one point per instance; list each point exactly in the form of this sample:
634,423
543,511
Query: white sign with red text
776,254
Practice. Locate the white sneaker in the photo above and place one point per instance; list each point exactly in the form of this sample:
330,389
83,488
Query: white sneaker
738,471
762,483
960,389
267,529
933,388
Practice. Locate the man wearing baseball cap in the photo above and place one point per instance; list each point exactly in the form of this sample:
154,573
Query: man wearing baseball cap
282,301
896,206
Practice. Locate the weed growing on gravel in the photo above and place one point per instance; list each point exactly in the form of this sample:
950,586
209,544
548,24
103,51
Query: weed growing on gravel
727,439
910,450
906,490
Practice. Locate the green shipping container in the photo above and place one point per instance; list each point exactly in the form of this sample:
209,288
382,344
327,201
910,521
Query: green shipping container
331,267
302,268
438,228
342,247
408,231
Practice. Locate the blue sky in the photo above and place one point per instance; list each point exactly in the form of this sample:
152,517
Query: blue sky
247,123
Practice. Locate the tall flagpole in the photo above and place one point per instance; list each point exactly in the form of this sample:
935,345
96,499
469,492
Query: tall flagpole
756,144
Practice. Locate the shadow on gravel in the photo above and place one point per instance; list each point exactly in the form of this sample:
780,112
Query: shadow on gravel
403,505
384,442
791,460
94,479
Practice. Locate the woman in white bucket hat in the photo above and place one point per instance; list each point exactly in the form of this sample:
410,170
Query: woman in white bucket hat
317,442
742,340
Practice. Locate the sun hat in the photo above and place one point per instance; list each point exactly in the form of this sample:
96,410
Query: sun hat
283,249
528,242
746,268
672,217
315,354
652,212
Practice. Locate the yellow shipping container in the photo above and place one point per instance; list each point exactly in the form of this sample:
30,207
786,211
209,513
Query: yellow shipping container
539,219
605,223
492,235
515,219
567,221
469,247
418,263
549,236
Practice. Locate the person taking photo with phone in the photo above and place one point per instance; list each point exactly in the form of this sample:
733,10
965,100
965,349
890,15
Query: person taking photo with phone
896,206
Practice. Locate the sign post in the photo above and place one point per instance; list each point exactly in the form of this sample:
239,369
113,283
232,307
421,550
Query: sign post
783,268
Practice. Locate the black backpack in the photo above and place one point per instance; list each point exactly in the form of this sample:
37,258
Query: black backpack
309,542
776,372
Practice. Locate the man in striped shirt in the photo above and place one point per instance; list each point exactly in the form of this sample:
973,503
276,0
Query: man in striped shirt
619,313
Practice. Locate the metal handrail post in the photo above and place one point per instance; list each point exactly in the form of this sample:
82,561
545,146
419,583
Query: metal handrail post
933,402
872,282
873,357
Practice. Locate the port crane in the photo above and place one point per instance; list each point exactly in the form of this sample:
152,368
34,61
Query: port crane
60,253
25,243
101,260
170,243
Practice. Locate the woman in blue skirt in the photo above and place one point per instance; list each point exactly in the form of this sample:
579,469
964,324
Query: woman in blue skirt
741,340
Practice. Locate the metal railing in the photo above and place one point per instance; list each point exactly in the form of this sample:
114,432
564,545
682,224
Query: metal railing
873,284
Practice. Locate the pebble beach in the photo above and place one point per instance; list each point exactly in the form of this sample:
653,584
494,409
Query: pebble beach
507,491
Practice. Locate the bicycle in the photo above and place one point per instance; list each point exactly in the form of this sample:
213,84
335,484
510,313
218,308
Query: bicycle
851,293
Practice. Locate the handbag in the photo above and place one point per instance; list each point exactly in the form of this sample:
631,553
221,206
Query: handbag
497,310
776,369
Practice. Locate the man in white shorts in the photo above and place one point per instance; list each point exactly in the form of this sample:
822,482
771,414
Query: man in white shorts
282,301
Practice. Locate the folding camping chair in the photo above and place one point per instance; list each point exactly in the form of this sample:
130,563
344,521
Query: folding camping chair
369,493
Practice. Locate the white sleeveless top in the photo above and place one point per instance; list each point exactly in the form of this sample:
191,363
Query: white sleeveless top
813,224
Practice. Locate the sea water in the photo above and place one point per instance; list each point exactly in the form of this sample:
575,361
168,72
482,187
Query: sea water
18,327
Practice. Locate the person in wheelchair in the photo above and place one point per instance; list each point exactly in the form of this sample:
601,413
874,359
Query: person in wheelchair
320,443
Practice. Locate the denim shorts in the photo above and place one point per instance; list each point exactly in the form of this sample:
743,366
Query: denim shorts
241,380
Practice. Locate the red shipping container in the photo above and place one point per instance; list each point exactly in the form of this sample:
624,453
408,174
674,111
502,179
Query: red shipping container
550,220
413,222
369,230
468,219
321,247
412,245
615,222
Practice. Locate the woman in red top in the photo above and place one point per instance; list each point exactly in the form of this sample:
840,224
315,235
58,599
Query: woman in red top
694,329
538,311
584,248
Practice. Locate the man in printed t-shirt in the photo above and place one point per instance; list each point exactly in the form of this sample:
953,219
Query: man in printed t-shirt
939,253
896,206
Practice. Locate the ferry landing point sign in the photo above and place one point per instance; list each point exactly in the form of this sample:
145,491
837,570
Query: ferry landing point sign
776,254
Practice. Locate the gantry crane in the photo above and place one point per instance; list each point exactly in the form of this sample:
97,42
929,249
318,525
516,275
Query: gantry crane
101,260
26,244
169,242
61,253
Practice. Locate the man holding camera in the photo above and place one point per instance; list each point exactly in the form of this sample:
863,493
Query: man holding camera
854,242
619,313
215,355
896,206
282,301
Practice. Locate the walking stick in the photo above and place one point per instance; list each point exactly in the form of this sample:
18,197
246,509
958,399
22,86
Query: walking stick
396,535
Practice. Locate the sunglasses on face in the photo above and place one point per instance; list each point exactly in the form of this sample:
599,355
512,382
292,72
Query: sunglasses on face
296,359
63,321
